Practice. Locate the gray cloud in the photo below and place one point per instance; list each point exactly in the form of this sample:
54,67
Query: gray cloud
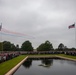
42,19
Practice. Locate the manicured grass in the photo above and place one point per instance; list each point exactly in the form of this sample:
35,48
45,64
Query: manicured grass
63,55
6,66
43,55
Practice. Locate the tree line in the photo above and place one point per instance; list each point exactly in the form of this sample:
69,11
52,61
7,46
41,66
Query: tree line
27,46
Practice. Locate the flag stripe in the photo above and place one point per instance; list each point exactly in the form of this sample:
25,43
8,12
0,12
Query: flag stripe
72,26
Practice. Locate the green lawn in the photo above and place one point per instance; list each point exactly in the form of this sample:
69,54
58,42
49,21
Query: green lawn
42,55
6,66
63,55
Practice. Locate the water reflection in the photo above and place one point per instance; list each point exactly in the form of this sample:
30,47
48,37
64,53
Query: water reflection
46,63
28,63
62,61
72,63
47,67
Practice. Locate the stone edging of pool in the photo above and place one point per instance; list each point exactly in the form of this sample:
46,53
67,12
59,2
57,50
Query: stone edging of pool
66,58
16,67
12,71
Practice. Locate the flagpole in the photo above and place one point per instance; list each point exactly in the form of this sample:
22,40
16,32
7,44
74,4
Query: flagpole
73,26
1,38
75,35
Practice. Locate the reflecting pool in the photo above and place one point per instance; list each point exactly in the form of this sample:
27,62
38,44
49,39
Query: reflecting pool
47,67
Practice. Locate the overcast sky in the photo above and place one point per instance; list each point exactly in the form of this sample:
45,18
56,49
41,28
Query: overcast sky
40,20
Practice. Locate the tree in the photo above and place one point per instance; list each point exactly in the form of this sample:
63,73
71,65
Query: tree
6,46
17,47
27,46
61,46
13,48
47,46
1,46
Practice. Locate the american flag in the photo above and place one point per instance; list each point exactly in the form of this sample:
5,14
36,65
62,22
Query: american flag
72,26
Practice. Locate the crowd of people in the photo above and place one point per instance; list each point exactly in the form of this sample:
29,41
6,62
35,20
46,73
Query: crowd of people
4,56
50,52
73,53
